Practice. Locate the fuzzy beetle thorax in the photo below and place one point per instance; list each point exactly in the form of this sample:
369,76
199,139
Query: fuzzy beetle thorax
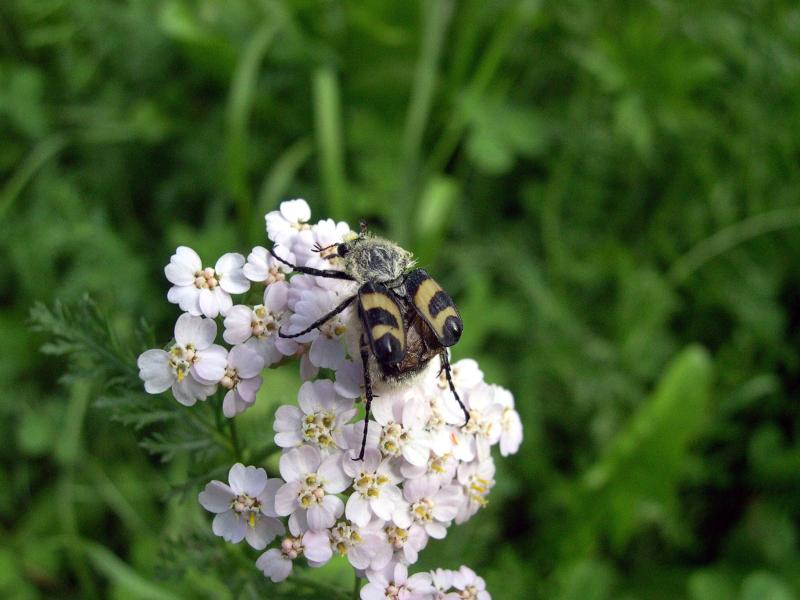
376,259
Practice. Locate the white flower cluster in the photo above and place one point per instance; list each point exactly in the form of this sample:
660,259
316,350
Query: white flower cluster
423,467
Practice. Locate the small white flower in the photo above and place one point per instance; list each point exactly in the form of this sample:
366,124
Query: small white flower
319,419
392,582
193,365
204,291
365,547
245,508
464,373
310,486
349,379
510,423
241,379
484,426
262,267
402,419
429,506
326,350
374,488
406,543
470,585
442,581
477,480
284,224
441,469
277,562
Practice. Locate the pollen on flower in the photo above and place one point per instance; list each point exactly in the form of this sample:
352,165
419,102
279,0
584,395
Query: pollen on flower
317,428
206,279
422,510
397,536
181,359
291,547
344,537
393,437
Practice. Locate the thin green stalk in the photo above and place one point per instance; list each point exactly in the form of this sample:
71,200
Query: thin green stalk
436,22
330,142
277,182
70,452
240,104
38,157
493,56
730,237
237,450
357,587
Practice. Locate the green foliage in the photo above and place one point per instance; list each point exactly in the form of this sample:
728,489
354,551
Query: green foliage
608,189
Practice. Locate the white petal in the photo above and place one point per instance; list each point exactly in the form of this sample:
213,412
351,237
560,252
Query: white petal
308,370
211,363
349,379
334,506
331,472
230,261
190,329
189,391
247,480
276,297
257,267
299,462
265,348
184,263
317,546
223,300
187,297
416,453
383,507
264,531
178,274
286,498
216,497
287,418
373,591
267,497
238,324
288,439
295,211
246,361
326,353
230,406
229,526
208,303
358,510
155,371
188,257
247,389
383,408
273,564
307,397
436,530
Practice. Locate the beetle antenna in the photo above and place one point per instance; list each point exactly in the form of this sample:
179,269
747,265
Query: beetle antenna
317,248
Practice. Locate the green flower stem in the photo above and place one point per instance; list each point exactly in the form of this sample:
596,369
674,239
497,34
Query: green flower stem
237,450
357,587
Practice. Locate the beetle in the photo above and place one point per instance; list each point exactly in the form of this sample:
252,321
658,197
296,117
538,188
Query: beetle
407,319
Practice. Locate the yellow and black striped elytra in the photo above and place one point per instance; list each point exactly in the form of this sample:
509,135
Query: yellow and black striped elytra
435,306
407,319
382,319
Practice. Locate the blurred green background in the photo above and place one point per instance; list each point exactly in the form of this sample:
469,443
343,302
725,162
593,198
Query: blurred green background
609,190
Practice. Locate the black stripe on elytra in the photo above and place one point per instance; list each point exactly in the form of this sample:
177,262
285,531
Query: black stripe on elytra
414,280
439,302
388,348
380,316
